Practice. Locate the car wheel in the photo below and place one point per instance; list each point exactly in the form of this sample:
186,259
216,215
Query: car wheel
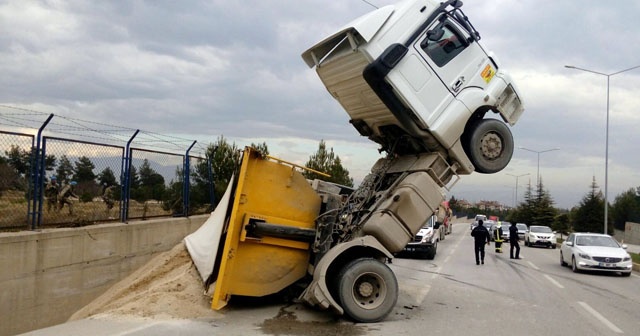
625,274
367,290
574,266
526,243
489,145
562,263
553,246
431,253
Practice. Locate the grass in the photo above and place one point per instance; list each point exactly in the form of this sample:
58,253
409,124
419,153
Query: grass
635,257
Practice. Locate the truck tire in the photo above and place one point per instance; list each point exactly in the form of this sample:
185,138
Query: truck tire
367,290
489,145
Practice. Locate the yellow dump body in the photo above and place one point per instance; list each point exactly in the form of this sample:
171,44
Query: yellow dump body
275,194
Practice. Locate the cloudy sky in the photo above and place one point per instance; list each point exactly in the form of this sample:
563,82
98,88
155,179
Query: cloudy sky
201,69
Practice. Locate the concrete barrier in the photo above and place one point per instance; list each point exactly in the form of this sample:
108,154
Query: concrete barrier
47,275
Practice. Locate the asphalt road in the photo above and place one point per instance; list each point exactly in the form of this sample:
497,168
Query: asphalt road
449,295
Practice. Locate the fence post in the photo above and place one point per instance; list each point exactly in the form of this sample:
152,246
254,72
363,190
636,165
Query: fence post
126,171
212,189
37,159
186,184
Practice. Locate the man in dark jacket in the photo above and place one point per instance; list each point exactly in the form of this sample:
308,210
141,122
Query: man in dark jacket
513,240
481,236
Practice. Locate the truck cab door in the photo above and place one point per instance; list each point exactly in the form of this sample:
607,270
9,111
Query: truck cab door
456,59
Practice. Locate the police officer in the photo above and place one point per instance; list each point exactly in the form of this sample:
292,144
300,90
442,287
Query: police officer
513,241
480,235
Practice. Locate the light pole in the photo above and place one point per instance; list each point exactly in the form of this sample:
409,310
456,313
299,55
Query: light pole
539,152
517,177
606,146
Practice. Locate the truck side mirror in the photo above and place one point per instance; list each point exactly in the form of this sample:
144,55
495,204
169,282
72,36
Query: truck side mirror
435,34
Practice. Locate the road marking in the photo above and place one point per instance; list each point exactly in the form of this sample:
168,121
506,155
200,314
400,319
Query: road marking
600,317
533,265
553,281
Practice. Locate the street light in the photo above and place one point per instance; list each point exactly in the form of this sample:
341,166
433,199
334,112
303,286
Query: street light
539,152
517,176
606,146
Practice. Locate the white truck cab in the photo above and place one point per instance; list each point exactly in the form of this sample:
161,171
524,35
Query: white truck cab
414,79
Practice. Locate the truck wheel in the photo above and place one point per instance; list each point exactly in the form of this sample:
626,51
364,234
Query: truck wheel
367,290
489,145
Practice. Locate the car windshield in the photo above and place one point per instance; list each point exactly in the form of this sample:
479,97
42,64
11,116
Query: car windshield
596,241
541,229
521,226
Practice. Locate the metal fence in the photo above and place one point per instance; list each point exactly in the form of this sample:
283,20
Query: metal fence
79,174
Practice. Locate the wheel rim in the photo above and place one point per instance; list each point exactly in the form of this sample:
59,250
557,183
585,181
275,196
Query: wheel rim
573,264
369,291
491,145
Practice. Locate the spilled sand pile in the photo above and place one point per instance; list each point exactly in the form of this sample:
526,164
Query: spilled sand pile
168,286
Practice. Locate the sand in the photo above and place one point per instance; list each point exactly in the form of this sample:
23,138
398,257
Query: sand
168,286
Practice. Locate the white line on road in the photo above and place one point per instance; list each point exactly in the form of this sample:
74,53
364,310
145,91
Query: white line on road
553,281
533,265
600,317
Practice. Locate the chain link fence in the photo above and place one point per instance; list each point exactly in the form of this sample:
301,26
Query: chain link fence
74,172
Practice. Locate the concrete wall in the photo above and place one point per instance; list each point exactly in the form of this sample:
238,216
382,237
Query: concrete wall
45,276
632,233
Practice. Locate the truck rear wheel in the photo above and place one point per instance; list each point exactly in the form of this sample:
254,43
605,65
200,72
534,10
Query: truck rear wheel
367,290
489,145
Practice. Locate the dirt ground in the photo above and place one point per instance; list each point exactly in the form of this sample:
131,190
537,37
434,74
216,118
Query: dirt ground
168,286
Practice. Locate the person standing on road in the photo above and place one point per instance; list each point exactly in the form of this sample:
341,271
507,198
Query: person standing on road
513,241
497,237
480,235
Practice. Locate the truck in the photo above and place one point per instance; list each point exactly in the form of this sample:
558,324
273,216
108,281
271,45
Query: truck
414,79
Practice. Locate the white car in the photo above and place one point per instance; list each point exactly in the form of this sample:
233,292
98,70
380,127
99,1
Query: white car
540,235
595,252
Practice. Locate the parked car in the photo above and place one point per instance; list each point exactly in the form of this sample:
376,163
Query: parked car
522,229
505,231
475,221
595,252
540,235
425,242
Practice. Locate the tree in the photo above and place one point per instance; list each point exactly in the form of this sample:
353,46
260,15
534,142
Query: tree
107,177
83,171
262,148
151,184
327,162
626,208
64,170
589,215
544,213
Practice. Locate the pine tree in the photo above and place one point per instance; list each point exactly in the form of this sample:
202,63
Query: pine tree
327,162
589,215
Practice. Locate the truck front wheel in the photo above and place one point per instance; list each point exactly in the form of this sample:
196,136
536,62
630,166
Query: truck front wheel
489,145
367,290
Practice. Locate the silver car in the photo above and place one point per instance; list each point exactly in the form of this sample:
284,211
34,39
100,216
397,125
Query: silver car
595,252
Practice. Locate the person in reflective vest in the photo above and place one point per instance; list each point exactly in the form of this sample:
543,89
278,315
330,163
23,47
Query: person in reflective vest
497,237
